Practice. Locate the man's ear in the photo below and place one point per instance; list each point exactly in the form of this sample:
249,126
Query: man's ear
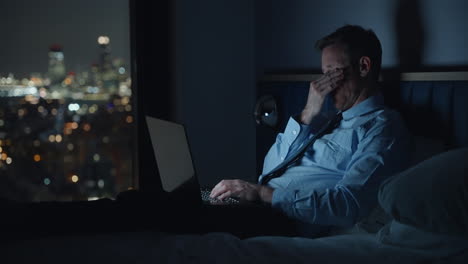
364,66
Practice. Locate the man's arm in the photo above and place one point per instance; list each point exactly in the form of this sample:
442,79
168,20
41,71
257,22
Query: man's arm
380,154
318,90
298,127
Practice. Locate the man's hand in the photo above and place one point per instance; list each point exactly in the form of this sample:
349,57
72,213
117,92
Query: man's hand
243,190
318,91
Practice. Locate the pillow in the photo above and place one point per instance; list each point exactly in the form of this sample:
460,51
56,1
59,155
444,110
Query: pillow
431,195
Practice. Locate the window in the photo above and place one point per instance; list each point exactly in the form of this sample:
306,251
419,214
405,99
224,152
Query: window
67,122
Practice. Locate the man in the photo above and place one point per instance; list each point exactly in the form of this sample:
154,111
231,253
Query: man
335,183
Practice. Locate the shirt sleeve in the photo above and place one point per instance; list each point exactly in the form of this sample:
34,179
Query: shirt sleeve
293,136
380,153
280,149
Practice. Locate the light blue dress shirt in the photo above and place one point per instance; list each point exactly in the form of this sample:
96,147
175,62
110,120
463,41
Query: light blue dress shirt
337,180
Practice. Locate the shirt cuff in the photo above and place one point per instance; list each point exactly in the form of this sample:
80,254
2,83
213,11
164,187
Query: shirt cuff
293,128
283,201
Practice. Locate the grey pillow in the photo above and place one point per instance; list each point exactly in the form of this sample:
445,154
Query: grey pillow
431,195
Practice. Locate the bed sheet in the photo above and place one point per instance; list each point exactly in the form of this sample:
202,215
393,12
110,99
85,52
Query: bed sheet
151,247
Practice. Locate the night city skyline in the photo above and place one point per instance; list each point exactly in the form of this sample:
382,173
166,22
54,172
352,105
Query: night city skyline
66,116
33,26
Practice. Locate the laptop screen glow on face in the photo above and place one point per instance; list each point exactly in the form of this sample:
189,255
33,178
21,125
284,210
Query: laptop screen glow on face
172,152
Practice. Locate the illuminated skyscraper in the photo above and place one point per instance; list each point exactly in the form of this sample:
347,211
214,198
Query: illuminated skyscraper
107,69
56,70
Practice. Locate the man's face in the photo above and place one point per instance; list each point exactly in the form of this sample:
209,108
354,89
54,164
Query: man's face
347,91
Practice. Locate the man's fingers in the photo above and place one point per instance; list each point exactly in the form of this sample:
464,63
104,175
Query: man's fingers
335,73
218,189
224,195
330,87
329,77
337,78
224,189
325,85
322,80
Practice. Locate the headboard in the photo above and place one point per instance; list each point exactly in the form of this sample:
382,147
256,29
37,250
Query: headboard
434,106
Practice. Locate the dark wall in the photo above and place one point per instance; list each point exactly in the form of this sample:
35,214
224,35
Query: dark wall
214,75
414,33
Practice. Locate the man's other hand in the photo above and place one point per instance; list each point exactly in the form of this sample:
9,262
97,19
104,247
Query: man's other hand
242,190
318,90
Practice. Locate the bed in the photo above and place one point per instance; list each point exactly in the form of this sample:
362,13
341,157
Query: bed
423,228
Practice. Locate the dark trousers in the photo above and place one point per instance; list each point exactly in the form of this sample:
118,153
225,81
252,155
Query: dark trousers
138,212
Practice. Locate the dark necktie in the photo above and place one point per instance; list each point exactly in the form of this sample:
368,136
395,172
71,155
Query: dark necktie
281,168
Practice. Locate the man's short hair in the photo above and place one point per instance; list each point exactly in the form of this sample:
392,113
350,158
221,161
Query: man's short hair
358,42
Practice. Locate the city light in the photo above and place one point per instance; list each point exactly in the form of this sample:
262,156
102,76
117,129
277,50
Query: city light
55,94
42,92
93,109
87,127
103,40
70,146
32,99
129,119
100,183
81,110
73,107
125,100
92,89
67,81
46,181
75,178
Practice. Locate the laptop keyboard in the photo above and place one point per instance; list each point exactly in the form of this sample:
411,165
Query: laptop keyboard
205,195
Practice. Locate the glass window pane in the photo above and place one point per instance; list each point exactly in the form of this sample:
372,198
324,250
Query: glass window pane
67,129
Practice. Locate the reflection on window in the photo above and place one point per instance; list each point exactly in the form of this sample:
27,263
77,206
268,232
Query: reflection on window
67,135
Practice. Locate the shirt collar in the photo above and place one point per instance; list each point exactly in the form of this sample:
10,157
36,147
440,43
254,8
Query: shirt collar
369,105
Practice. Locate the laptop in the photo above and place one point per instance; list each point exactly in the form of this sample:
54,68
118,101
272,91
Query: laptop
175,165
190,206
